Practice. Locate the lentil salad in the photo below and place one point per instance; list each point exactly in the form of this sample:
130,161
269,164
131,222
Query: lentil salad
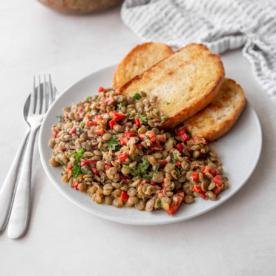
110,147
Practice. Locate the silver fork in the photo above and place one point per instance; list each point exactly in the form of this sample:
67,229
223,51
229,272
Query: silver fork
19,219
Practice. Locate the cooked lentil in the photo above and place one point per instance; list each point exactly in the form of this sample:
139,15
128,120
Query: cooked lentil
110,147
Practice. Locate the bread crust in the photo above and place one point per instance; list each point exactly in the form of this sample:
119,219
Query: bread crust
197,51
138,60
225,98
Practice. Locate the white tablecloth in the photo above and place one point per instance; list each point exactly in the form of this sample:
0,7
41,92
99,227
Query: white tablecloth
238,238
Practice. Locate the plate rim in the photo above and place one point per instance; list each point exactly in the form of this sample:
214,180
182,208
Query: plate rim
143,222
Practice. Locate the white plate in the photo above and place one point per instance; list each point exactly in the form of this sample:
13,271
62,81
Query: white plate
239,151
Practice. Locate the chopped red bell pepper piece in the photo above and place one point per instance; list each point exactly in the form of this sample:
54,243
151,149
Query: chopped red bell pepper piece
204,195
209,170
140,146
105,101
152,137
217,179
117,116
142,136
181,133
201,167
107,167
137,122
93,123
122,157
160,138
177,164
163,163
95,171
76,184
217,190
73,130
124,196
197,189
101,89
123,141
112,124
99,131
143,182
152,184
55,133
176,202
195,176
117,92
88,162
80,110
130,134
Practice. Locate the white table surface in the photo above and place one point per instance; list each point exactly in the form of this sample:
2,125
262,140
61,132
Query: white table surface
237,238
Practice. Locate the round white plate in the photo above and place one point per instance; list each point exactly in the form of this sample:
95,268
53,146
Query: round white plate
239,151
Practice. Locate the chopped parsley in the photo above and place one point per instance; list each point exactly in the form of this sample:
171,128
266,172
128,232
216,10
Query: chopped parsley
158,203
146,137
83,124
113,143
171,138
168,103
132,158
190,134
163,117
143,119
110,89
87,170
174,159
61,174
148,177
136,96
178,169
88,98
59,118
76,170
119,106
140,169
61,162
156,169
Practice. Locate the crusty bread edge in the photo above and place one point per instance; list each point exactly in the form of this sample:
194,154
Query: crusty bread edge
128,57
229,123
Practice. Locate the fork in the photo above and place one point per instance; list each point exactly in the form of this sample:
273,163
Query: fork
39,103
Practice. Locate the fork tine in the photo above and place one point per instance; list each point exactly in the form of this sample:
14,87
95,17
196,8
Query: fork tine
31,107
38,97
51,97
44,107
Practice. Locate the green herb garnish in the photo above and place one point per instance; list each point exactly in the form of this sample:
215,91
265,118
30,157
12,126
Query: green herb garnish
174,159
148,177
190,134
168,103
59,118
143,119
132,158
87,170
119,106
146,137
178,169
88,98
156,169
171,138
83,124
140,169
113,143
76,170
61,174
163,117
158,203
136,96
61,162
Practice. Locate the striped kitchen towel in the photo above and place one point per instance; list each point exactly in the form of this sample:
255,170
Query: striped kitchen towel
219,24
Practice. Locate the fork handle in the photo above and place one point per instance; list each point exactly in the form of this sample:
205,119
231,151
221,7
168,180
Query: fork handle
20,214
8,188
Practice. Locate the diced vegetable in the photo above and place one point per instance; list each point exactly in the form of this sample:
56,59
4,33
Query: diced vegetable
176,202
117,116
195,176
88,162
112,124
130,134
217,179
122,157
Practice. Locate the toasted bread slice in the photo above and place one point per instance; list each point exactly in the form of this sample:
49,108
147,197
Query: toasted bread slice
138,60
184,83
220,115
